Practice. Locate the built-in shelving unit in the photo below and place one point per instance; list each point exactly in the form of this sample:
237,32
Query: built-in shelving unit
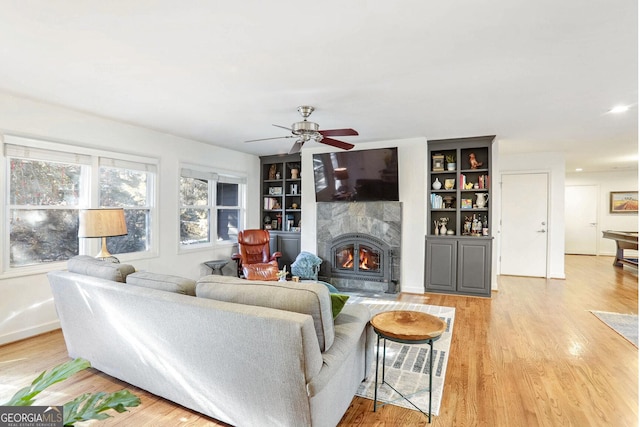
459,198
281,203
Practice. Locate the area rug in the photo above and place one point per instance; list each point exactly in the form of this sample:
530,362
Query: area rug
624,324
407,366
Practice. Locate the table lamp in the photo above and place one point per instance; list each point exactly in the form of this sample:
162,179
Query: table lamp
102,223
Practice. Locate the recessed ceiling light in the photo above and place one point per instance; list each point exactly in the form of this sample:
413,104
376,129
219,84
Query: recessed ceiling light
578,169
619,109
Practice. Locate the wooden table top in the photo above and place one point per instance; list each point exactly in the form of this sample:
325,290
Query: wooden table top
408,325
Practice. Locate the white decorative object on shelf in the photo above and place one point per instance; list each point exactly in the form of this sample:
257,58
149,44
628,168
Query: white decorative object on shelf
481,199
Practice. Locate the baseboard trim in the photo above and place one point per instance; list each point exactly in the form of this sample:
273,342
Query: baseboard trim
412,290
29,332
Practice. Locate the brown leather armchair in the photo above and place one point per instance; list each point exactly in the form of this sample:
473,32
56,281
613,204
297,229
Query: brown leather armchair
255,260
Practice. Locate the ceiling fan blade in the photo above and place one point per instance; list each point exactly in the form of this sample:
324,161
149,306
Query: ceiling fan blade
283,127
336,143
296,147
276,137
338,132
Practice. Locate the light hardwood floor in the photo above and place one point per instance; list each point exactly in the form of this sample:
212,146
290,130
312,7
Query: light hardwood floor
532,355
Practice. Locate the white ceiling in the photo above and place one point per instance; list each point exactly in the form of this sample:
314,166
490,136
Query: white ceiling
541,75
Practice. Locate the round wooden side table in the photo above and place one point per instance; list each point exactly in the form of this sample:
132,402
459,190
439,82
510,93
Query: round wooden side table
406,327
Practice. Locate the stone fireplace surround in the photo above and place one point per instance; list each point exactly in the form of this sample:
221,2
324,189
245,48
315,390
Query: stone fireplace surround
381,220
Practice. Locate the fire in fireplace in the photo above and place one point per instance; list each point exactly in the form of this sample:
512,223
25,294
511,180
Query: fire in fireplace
368,259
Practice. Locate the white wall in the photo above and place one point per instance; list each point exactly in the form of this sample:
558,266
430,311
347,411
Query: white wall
607,182
412,155
26,305
553,164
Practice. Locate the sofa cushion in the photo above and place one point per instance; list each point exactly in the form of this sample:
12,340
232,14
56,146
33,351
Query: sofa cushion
306,298
90,266
163,282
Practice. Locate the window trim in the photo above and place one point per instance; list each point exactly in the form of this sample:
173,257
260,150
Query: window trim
213,176
68,150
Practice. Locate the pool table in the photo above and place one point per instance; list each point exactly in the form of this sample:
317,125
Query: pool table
624,240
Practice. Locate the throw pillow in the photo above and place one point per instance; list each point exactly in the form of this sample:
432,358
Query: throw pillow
337,303
332,289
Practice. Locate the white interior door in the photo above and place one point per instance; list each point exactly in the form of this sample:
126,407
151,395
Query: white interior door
581,223
525,200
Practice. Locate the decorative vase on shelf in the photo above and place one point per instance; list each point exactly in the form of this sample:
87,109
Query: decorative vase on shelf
482,199
294,173
436,184
443,230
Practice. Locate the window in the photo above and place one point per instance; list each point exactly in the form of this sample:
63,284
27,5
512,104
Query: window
211,207
46,187
228,211
44,198
128,185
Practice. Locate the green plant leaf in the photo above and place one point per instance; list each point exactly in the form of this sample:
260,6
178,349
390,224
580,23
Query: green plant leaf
26,396
92,406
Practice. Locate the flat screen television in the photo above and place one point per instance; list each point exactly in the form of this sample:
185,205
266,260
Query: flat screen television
357,176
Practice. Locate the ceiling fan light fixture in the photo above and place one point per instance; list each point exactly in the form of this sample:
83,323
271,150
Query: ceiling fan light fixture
300,128
305,131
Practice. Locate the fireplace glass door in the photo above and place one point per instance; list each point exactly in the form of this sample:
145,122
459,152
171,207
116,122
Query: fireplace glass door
367,259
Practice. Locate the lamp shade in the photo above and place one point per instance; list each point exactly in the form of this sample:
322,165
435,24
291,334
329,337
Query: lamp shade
102,223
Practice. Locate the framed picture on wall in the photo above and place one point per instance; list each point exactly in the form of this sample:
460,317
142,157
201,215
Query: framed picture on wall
623,202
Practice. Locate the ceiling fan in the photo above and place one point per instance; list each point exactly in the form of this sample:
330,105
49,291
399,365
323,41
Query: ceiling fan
305,131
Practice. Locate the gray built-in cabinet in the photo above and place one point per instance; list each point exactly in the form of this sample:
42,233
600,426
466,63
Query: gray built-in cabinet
459,261
281,186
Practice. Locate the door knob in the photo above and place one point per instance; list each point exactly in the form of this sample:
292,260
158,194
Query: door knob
542,231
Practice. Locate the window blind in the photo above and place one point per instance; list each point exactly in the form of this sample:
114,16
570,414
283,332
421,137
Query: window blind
198,174
26,152
126,164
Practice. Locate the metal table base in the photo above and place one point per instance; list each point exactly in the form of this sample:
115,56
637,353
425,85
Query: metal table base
384,354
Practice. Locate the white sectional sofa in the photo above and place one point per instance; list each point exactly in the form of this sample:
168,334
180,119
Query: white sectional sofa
246,353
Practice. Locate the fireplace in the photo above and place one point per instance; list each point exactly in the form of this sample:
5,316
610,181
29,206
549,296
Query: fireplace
359,244
355,255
